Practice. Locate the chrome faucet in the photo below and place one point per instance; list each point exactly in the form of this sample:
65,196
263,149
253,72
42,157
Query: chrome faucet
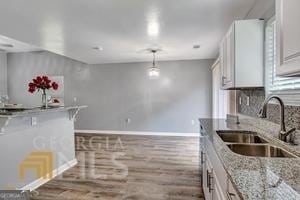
283,133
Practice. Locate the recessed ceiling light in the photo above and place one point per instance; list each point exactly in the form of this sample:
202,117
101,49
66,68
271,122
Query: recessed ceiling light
153,29
98,48
6,45
196,46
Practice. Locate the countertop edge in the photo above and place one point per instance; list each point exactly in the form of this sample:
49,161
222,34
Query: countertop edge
41,111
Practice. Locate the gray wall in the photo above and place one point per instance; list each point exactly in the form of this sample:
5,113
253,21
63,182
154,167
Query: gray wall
3,74
116,92
262,9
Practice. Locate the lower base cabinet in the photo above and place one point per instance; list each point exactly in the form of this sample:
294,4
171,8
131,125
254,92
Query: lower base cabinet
215,181
207,175
231,192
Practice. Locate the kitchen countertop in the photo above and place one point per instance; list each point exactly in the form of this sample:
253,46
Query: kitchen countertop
257,177
38,110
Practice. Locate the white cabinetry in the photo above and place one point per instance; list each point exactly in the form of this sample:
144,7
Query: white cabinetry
288,37
3,73
242,55
220,97
231,192
207,178
215,181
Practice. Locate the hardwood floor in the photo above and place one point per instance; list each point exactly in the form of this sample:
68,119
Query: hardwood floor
127,167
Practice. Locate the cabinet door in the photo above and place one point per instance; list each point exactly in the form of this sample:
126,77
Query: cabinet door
288,37
230,57
227,59
207,179
3,73
216,83
220,97
217,193
223,62
231,192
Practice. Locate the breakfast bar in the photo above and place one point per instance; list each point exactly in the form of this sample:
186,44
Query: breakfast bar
35,131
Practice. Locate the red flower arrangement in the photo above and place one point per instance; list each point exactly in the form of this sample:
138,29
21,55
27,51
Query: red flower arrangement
42,83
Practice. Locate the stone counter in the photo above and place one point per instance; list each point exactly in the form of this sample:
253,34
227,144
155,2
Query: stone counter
257,178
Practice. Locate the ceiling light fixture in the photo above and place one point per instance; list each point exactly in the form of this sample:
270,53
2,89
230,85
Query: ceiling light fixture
153,71
196,46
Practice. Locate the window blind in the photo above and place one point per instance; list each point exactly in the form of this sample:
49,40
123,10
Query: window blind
287,88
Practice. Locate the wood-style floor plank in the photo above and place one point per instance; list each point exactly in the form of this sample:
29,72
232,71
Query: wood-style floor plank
128,167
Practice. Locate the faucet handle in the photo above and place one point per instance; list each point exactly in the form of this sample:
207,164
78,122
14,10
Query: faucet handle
292,133
293,129
284,134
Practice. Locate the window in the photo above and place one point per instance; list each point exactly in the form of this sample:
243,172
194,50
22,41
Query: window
287,88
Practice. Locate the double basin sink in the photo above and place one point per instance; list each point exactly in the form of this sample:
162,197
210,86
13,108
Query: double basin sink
250,144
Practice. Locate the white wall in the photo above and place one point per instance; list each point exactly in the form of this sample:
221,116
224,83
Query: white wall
3,74
116,92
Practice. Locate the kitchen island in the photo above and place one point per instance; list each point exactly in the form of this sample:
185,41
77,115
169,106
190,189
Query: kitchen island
32,140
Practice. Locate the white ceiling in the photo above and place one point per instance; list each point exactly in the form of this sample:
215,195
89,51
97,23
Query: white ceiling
11,45
122,27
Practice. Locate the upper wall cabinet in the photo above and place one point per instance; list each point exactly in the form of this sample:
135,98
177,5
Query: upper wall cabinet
242,55
3,73
288,37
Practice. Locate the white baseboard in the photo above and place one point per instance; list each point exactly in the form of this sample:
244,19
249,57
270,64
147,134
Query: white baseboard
110,132
37,183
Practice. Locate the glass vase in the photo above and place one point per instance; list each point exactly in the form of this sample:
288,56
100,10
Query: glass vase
44,100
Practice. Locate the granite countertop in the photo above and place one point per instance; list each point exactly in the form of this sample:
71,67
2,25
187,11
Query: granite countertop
257,177
38,110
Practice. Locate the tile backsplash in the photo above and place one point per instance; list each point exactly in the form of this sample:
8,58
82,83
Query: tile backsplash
256,98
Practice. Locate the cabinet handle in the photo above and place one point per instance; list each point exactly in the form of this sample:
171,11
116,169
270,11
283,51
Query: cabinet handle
209,180
230,195
223,80
201,163
202,157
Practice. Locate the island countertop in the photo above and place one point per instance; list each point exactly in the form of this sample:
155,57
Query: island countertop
256,177
37,110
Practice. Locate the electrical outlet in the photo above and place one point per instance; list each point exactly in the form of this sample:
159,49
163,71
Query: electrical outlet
33,121
248,101
193,122
240,100
75,99
128,120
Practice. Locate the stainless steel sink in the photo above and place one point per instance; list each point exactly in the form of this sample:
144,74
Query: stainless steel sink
260,150
240,137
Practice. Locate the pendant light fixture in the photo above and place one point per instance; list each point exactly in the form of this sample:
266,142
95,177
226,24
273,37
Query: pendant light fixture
153,71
